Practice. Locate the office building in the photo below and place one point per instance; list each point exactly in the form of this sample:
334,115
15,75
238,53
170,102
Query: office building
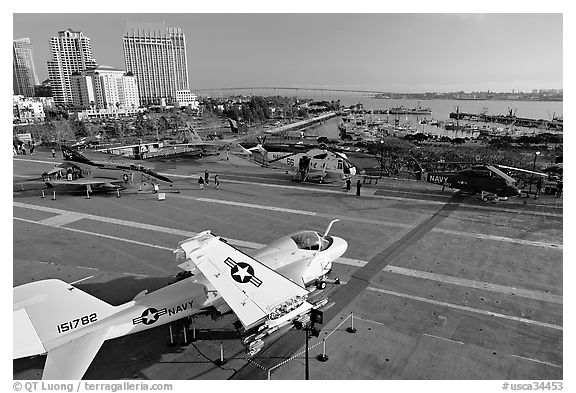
27,110
186,98
104,87
24,74
157,58
70,52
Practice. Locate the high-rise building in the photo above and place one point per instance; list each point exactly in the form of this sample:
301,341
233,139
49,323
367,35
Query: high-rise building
24,74
71,52
104,87
157,57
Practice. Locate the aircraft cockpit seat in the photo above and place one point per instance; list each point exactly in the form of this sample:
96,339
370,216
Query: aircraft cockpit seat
311,240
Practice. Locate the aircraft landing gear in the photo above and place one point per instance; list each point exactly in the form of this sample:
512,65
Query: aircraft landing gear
486,197
320,284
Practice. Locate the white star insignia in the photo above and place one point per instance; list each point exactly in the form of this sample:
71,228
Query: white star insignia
150,316
242,272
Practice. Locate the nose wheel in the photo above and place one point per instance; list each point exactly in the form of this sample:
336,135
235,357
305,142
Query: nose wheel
320,284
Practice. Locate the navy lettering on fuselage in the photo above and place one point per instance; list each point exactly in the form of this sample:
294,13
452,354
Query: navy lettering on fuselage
438,179
180,308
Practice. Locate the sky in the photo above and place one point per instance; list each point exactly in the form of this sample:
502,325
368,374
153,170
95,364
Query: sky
397,52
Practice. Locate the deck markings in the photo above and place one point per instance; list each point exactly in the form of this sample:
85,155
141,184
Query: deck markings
82,279
531,294
62,219
469,309
443,338
461,343
500,238
79,267
251,245
299,212
290,211
100,235
537,361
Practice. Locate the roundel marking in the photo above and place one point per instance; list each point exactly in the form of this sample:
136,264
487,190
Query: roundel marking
149,316
242,272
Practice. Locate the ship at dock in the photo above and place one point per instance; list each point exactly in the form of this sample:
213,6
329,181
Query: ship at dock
555,123
401,110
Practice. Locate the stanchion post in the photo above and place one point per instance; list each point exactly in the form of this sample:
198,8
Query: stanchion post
186,342
221,361
171,343
54,196
351,328
194,330
323,357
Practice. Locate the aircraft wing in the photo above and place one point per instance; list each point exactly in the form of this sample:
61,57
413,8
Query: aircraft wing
71,360
252,290
94,181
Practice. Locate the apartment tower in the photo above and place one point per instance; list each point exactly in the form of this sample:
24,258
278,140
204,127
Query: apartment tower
71,52
24,74
104,87
156,55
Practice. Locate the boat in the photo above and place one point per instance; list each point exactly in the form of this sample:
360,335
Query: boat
401,110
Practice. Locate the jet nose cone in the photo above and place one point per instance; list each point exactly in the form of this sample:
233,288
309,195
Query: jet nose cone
338,247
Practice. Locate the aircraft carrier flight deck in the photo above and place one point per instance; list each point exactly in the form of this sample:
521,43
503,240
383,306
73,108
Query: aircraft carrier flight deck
433,285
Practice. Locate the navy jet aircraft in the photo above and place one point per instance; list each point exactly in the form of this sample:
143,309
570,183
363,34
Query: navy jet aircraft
79,170
265,292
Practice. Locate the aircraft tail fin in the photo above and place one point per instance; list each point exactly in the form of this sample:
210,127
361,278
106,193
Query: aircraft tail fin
74,155
236,126
71,360
191,134
233,125
49,309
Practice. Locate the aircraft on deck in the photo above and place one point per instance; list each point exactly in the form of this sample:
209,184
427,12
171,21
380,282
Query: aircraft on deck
488,180
266,292
79,170
315,163
210,147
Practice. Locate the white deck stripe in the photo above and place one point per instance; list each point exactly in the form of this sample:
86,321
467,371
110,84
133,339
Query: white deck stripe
443,338
82,279
464,308
63,219
251,245
468,309
531,294
500,238
100,235
292,211
461,343
537,361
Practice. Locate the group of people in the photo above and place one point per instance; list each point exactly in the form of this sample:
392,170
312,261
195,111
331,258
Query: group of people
20,148
559,188
349,184
206,180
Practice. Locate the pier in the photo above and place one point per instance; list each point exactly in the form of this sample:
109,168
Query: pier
554,124
299,125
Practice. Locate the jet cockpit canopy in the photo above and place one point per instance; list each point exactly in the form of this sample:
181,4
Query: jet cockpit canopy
310,240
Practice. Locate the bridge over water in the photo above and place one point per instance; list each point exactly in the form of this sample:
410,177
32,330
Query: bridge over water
314,91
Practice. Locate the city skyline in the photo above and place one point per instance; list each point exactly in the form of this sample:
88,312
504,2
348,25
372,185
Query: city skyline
380,52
